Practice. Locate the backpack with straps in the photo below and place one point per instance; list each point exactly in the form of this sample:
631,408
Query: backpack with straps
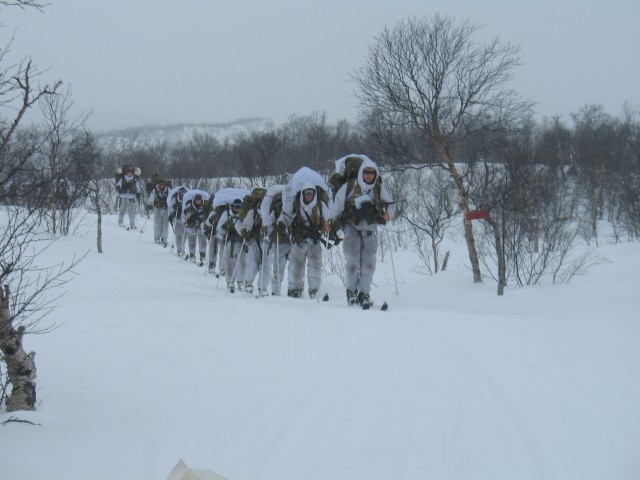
347,169
299,229
251,201
120,172
126,186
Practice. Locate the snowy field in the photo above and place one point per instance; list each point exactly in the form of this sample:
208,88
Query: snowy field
154,362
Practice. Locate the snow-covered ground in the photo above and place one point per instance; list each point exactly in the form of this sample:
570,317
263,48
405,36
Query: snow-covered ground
154,362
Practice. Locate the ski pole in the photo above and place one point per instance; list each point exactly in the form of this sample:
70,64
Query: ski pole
144,224
235,267
173,229
208,256
174,237
322,269
278,260
393,266
222,255
266,245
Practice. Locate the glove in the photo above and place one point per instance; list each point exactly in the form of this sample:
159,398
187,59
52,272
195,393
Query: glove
246,233
282,228
245,248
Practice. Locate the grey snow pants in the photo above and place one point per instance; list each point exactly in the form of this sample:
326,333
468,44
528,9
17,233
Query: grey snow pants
128,206
360,249
160,224
309,253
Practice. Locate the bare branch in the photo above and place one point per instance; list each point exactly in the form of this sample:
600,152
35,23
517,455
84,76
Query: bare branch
24,4
19,420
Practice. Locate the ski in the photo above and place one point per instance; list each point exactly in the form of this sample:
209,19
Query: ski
384,307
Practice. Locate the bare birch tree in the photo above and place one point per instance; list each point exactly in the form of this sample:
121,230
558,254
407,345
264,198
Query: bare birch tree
430,76
23,284
57,129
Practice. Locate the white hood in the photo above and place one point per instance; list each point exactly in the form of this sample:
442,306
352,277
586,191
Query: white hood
367,163
308,207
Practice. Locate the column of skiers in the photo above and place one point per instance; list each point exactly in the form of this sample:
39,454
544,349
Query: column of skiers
256,233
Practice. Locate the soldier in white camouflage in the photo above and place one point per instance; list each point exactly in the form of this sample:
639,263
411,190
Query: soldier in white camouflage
359,207
158,201
129,189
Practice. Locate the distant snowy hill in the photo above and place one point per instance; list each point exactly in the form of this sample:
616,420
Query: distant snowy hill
184,132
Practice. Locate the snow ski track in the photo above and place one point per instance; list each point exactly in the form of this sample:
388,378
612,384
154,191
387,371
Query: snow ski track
319,365
434,407
517,438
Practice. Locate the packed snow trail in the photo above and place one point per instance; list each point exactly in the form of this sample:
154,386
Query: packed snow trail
453,382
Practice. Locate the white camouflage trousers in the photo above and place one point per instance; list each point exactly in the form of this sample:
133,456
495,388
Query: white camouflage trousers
254,265
233,261
196,237
160,224
277,258
128,206
180,237
213,250
360,249
305,252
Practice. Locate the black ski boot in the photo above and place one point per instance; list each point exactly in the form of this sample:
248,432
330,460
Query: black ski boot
352,297
364,300
294,293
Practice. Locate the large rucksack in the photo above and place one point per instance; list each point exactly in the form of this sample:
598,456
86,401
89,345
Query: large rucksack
251,201
276,205
222,200
123,186
151,184
347,169
120,171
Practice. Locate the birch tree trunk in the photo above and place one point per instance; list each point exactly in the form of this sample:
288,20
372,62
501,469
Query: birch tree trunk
21,368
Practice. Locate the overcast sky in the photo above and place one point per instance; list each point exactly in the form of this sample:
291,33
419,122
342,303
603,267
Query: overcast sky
136,62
